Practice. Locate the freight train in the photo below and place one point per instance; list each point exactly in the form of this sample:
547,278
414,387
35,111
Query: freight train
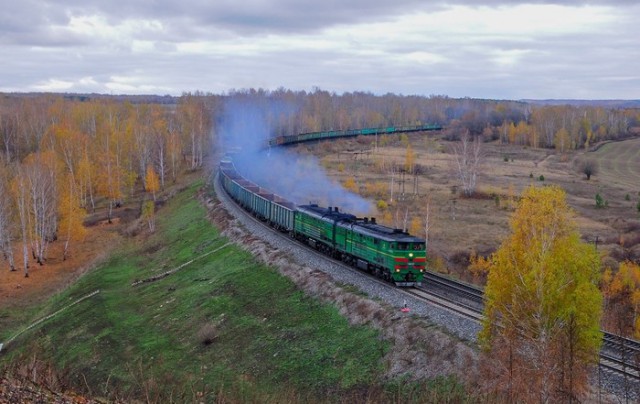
390,254
332,134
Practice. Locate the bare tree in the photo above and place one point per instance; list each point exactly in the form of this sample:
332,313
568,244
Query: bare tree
588,167
468,156
40,174
427,226
7,222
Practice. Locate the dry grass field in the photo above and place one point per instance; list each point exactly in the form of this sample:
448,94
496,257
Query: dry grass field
460,225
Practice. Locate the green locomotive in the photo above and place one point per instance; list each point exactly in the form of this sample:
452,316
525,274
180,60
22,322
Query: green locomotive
390,254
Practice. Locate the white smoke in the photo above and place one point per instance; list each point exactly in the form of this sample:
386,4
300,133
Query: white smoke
245,129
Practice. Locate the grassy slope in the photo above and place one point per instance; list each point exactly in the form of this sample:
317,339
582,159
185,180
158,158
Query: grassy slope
269,340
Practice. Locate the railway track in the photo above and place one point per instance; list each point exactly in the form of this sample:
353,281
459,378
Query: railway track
468,301
618,354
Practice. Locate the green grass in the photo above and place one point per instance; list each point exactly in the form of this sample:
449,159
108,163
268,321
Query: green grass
268,337
265,340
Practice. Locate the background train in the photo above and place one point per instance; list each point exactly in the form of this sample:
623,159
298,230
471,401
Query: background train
332,134
391,254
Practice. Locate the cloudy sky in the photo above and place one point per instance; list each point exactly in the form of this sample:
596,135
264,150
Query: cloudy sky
485,49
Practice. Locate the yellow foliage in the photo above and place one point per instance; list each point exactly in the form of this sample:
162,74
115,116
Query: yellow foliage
382,205
148,214
623,289
415,227
151,181
409,160
376,190
541,291
479,265
350,184
437,264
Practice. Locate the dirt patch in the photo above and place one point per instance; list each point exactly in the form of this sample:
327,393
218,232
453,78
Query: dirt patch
56,274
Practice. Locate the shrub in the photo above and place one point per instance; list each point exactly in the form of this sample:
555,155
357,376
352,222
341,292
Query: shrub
541,177
207,334
627,197
600,202
588,167
382,205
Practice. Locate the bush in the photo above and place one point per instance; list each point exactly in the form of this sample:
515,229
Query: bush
382,205
207,334
627,197
588,167
541,177
600,202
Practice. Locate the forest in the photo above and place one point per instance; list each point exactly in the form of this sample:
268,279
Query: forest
66,157
61,154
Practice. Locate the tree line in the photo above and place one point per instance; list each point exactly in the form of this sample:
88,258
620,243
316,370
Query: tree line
60,157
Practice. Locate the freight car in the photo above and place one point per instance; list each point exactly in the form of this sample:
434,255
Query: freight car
332,134
390,254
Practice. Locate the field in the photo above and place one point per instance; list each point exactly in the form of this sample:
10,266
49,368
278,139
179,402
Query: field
461,226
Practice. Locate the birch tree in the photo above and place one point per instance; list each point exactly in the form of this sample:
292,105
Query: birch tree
40,171
543,307
467,158
21,197
7,219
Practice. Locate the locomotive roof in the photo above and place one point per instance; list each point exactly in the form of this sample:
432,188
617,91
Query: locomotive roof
332,214
383,232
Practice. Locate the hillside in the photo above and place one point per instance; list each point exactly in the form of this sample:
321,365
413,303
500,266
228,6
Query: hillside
222,326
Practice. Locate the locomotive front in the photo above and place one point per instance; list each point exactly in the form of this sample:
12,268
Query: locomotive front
409,260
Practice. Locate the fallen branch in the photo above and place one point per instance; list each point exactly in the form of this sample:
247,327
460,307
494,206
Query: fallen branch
172,271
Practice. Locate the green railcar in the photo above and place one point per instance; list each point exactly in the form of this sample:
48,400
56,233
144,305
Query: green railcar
332,134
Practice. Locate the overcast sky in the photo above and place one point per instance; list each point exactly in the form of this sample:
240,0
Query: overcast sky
484,49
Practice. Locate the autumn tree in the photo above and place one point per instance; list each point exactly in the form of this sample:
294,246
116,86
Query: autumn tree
543,307
410,159
148,214
7,219
20,195
152,183
622,293
71,215
195,122
41,170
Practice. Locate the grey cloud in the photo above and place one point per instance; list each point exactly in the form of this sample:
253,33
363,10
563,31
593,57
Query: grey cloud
595,65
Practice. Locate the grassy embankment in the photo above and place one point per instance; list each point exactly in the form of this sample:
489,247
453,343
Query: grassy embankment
221,327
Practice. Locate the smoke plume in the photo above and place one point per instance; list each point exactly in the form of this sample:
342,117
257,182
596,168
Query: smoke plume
245,128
